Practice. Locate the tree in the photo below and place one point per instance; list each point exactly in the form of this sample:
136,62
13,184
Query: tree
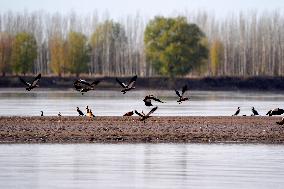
5,52
58,55
173,46
77,53
216,56
24,53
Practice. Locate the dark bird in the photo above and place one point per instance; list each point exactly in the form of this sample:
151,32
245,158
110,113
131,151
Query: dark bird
254,111
41,113
83,86
181,98
130,86
80,112
143,116
59,114
129,113
33,84
237,112
276,111
280,122
148,99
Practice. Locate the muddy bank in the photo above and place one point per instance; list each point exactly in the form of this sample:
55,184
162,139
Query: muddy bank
162,83
130,129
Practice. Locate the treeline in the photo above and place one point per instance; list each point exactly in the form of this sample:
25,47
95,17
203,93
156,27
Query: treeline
249,44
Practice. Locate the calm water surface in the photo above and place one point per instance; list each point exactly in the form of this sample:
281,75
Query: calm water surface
113,103
219,166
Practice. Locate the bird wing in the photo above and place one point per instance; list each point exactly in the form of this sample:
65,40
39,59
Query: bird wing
36,80
139,113
177,93
120,83
153,109
23,81
84,82
95,83
132,81
184,88
156,99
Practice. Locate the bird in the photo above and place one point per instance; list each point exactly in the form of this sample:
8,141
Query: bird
59,114
83,86
129,113
181,98
89,112
276,111
130,86
33,84
146,116
280,122
41,113
237,112
148,99
80,112
254,111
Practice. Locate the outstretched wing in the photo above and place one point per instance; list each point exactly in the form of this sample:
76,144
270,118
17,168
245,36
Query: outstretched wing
36,80
184,88
120,83
177,93
153,109
132,81
24,82
155,98
84,82
95,83
139,113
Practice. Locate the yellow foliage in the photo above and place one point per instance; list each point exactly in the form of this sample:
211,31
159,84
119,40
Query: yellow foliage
216,56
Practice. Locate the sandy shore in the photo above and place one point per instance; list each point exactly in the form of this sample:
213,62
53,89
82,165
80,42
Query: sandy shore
130,129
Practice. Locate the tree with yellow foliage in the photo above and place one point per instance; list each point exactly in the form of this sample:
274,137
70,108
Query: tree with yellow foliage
5,53
216,56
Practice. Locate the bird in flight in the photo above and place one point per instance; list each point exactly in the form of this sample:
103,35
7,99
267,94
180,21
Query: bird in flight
130,86
83,86
33,84
181,98
146,116
148,100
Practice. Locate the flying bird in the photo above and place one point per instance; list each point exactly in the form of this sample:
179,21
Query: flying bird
83,86
280,122
129,113
80,112
148,100
237,112
146,116
181,98
33,84
254,111
276,111
130,86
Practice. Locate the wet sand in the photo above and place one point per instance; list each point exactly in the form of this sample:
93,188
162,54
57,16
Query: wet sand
131,130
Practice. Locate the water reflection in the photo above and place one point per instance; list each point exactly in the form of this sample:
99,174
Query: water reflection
141,166
113,103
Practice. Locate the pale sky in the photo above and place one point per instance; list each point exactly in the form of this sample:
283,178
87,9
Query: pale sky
149,8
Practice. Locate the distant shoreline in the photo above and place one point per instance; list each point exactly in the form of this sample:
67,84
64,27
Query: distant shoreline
114,129
161,83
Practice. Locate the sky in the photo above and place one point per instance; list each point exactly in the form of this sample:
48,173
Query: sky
148,8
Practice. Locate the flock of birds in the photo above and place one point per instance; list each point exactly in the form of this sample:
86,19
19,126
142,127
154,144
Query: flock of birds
83,86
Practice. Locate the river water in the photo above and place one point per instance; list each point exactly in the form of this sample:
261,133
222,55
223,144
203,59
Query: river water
18,102
219,166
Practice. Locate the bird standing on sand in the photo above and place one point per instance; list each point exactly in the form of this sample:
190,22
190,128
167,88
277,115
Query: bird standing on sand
59,114
276,111
254,111
237,112
89,112
181,98
41,113
280,122
130,86
80,112
148,99
129,113
32,85
143,116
